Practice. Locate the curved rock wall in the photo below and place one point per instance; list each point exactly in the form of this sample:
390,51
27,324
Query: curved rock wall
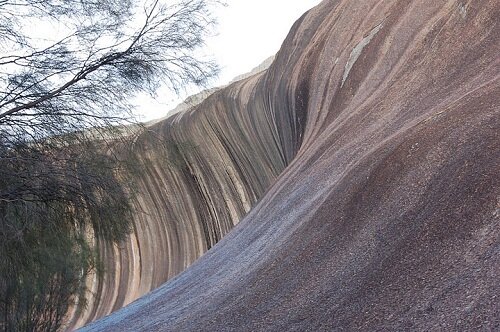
367,158
204,170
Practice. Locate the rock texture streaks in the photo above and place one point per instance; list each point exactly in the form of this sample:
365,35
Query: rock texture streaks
371,199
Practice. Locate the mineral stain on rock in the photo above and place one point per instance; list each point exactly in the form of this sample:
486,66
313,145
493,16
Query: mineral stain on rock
356,51
334,195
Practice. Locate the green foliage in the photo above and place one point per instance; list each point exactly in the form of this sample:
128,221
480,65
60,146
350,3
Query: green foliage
43,267
51,207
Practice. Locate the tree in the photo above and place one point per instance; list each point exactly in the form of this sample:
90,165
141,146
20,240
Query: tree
65,110
97,64
55,199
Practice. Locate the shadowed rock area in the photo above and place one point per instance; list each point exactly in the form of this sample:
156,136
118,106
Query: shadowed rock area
364,166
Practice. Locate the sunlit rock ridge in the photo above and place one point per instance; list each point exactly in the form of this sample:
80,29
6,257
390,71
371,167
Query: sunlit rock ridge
361,171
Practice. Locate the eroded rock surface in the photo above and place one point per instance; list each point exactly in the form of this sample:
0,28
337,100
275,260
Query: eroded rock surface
367,158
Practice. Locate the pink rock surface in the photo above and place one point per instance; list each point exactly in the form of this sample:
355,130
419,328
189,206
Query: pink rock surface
364,166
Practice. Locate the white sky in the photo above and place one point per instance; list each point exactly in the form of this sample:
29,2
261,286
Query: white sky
249,31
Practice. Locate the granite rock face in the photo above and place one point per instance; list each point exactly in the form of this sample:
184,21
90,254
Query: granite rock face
364,166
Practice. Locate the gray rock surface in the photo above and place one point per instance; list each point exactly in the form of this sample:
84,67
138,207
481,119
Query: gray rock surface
367,201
